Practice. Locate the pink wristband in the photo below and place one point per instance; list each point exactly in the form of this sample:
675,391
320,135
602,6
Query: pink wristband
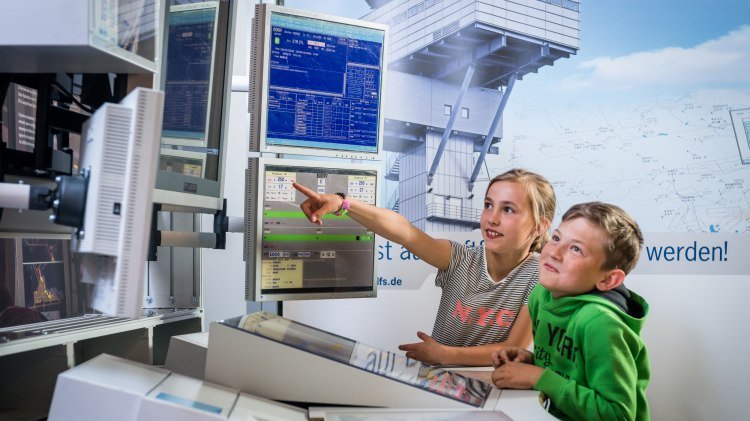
344,208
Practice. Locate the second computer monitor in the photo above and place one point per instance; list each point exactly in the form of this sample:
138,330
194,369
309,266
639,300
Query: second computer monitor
288,257
316,84
193,74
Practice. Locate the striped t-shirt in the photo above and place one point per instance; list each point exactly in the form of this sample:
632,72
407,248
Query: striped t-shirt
474,310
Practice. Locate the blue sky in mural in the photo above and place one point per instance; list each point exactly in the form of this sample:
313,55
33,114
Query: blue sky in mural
631,48
636,47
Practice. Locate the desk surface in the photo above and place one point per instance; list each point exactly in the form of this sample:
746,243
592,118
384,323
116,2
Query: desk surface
517,404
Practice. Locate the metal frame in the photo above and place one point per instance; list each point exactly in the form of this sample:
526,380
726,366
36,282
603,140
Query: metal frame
451,121
493,128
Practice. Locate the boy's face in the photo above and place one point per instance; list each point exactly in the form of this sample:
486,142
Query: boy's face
571,262
507,221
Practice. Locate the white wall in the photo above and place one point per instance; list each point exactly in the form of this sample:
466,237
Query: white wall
697,340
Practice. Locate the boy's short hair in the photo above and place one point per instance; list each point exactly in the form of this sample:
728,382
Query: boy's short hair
624,237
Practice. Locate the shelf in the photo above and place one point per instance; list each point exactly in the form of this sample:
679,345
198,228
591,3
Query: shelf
48,303
70,330
34,38
43,263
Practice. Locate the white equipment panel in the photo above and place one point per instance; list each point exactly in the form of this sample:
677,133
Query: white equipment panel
277,358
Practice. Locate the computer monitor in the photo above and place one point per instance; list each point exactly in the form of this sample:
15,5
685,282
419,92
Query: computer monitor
19,117
289,258
316,84
22,152
119,155
194,78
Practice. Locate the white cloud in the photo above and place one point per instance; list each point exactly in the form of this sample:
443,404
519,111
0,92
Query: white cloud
720,61
350,9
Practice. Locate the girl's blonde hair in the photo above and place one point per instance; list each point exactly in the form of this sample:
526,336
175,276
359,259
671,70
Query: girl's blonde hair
541,198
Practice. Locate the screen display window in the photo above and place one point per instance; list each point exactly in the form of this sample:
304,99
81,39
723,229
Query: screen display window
186,90
324,84
19,118
37,284
195,69
300,257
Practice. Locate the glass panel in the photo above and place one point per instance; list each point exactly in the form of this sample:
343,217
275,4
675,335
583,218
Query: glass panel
378,361
37,285
129,24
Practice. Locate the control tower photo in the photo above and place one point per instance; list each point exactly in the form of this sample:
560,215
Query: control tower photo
452,67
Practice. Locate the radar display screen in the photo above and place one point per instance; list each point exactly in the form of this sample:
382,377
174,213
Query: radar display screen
324,84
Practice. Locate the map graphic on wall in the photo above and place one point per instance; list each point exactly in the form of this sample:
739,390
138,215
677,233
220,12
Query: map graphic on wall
673,163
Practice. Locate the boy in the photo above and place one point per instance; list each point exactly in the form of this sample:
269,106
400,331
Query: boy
589,359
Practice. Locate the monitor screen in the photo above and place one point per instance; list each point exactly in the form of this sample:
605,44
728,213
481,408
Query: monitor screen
321,81
26,153
193,84
289,257
19,117
37,283
189,53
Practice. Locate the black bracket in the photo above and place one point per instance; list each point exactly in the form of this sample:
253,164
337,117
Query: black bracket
221,226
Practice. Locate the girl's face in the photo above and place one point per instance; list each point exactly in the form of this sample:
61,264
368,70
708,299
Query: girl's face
507,220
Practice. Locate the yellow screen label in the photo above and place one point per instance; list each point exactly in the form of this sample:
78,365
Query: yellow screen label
281,274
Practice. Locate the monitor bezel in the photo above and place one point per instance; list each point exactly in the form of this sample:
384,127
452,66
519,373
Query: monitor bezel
224,10
253,285
264,54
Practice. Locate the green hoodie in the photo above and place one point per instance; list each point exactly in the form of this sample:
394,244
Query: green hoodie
595,363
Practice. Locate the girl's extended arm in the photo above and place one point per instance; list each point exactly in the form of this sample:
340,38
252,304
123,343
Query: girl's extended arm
384,222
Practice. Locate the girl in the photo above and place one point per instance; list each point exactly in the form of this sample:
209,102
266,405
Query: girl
485,288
